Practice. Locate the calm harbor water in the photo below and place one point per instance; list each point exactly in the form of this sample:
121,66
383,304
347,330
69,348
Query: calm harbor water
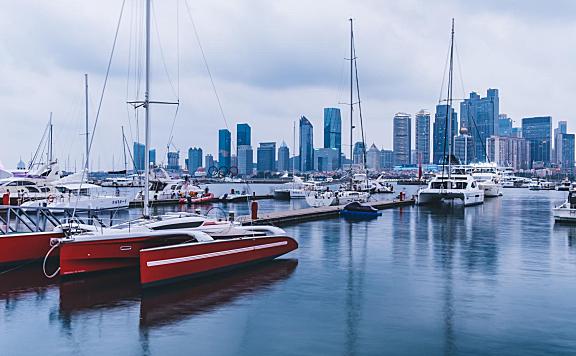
496,279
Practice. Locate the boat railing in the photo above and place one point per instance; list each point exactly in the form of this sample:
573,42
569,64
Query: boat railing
17,219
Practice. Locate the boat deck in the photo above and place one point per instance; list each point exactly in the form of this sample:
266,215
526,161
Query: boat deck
306,214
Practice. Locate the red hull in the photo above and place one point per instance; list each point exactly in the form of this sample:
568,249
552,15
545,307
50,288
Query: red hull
24,247
165,264
101,255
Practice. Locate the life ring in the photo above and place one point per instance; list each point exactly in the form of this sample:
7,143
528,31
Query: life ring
50,198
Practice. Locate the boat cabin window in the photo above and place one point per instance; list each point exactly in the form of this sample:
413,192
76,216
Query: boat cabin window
33,190
185,225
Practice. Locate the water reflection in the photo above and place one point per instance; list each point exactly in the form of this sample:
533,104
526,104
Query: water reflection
164,306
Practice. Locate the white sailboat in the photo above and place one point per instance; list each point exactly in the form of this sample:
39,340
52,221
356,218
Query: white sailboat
344,195
449,185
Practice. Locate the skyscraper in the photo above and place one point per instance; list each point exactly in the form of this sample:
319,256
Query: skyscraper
224,149
464,147
373,158
283,158
139,159
173,161
386,159
402,138
511,152
333,130
194,159
440,142
538,131
326,159
243,135
423,137
358,153
306,145
480,117
208,162
567,157
561,130
504,125
266,157
245,160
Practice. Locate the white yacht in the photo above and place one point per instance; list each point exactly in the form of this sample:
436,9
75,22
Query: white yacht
564,186
318,199
567,211
163,187
293,190
456,186
381,185
488,178
35,185
82,196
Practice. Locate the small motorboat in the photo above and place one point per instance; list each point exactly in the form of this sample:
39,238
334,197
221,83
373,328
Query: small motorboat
357,210
205,197
235,196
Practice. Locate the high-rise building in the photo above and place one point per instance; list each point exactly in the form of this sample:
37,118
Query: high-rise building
283,158
373,158
333,130
464,147
566,162
516,132
422,137
358,153
306,145
194,159
504,125
326,159
480,117
509,152
245,160
386,159
440,139
538,131
173,161
139,159
561,130
243,135
266,157
402,139
224,149
208,162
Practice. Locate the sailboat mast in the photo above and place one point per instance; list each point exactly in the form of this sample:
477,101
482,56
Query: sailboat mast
86,123
124,151
450,77
351,89
147,117
50,157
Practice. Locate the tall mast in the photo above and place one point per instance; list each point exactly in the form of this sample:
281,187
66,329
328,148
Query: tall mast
293,147
50,143
449,113
86,122
124,150
351,89
147,116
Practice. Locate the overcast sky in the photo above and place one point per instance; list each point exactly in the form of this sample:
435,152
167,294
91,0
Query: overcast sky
271,61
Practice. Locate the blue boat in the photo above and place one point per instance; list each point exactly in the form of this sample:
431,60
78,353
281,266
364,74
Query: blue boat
355,210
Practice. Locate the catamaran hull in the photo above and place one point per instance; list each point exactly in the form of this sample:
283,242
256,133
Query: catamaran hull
434,196
176,262
18,248
564,215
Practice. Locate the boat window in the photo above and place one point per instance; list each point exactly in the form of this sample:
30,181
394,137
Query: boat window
44,189
33,190
12,184
185,225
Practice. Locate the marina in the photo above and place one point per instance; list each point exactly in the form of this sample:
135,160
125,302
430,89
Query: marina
440,272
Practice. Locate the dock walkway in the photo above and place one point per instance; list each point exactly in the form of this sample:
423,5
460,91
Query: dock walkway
306,214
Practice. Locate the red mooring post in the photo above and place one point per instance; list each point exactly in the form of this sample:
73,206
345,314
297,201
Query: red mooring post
254,210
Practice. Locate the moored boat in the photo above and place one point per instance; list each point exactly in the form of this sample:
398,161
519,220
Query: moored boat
356,210
567,211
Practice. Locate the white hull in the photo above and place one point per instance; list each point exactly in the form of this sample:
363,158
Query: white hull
83,202
468,198
562,214
491,190
320,199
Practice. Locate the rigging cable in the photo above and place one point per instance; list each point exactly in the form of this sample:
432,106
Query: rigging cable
101,100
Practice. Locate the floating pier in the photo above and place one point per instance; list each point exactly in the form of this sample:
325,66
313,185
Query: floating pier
306,214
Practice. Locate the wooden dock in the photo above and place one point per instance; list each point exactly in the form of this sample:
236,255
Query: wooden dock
307,214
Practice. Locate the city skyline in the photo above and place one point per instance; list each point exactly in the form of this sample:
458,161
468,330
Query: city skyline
275,88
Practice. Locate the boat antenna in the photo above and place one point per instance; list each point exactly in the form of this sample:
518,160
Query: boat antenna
50,142
86,122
